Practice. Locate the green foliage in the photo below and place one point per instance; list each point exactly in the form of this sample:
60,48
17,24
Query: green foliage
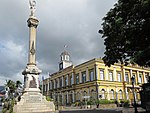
100,102
48,98
125,103
125,30
106,101
12,94
90,102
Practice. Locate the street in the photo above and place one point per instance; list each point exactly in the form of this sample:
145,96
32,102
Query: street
118,110
91,111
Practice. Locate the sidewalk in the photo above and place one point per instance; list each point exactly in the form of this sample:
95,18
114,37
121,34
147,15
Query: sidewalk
131,110
124,110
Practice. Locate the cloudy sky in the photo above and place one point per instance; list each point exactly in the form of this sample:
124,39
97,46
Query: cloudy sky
72,22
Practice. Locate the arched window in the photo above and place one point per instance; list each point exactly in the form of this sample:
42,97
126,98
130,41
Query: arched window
84,93
78,96
103,93
101,74
91,75
112,94
120,94
140,78
93,94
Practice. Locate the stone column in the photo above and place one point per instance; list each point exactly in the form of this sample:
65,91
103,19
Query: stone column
62,98
73,97
114,74
58,85
32,24
67,80
54,84
123,75
31,71
130,76
108,97
96,72
67,97
127,95
87,74
50,84
116,90
62,81
144,78
80,77
106,73
137,77
72,78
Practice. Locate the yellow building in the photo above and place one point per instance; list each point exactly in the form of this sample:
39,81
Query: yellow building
93,80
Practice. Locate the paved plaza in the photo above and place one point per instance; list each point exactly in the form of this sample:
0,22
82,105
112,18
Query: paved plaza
117,110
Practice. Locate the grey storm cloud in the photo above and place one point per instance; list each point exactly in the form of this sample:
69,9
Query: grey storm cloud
72,22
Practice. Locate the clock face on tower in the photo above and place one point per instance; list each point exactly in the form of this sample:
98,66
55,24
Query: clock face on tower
60,66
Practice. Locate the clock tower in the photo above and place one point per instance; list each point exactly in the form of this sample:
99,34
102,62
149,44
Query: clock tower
64,60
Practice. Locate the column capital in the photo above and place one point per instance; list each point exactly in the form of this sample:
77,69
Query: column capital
33,22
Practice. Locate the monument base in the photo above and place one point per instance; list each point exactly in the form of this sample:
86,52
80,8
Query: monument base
33,102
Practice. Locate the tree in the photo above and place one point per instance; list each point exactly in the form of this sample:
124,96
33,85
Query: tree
126,33
12,93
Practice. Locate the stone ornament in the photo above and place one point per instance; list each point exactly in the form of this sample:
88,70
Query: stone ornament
32,7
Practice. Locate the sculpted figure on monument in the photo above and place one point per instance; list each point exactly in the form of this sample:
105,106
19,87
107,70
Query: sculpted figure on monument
33,83
32,6
32,49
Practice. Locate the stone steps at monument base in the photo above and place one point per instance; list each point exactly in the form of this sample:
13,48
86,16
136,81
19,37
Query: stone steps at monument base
39,112
34,111
34,103
35,107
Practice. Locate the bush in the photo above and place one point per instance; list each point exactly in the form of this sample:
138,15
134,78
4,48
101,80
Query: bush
106,101
48,98
90,102
126,103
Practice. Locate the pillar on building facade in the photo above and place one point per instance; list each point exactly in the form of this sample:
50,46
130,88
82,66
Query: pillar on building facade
67,97
96,72
80,77
62,81
58,84
87,74
67,77
72,78
144,77
123,75
54,84
106,71
50,84
108,96
114,74
116,90
62,98
73,96
127,94
138,77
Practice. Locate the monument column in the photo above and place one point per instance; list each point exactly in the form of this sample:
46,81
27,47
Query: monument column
32,24
31,72
32,98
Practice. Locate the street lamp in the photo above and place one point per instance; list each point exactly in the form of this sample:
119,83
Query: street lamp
133,81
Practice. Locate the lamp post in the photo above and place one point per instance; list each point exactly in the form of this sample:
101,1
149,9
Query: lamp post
135,107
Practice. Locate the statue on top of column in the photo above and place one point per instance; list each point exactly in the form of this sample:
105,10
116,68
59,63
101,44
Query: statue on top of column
32,7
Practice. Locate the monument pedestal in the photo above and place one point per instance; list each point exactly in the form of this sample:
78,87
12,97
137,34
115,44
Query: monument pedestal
33,102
